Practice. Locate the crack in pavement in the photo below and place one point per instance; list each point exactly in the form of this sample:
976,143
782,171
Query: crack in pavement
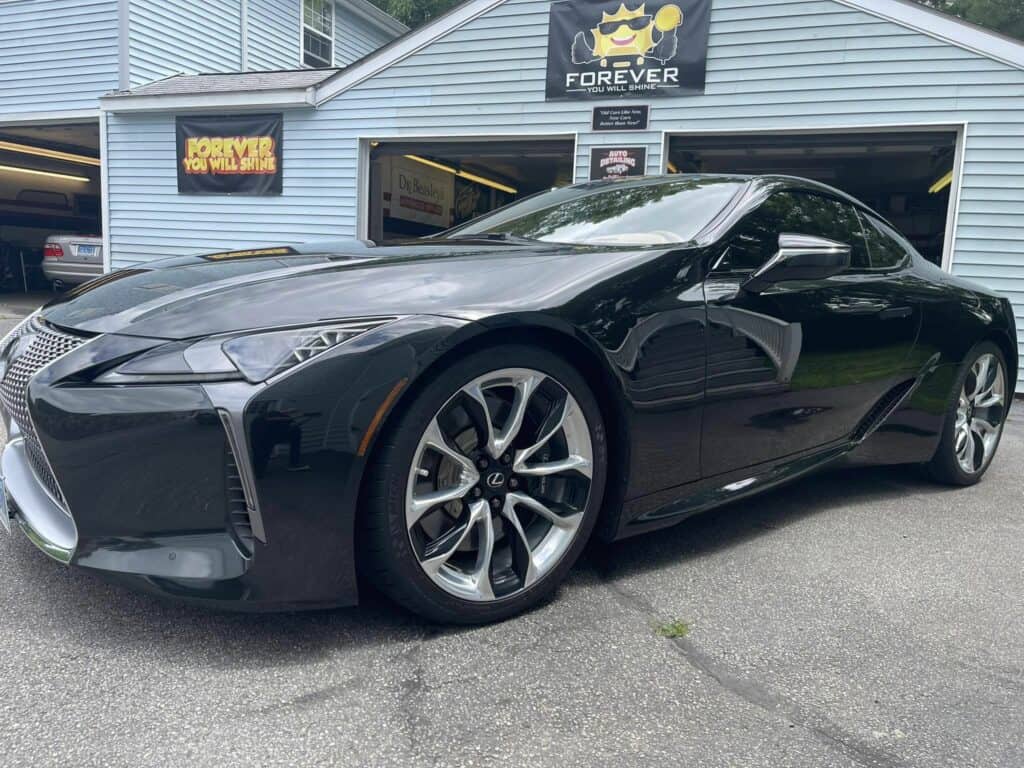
314,698
754,693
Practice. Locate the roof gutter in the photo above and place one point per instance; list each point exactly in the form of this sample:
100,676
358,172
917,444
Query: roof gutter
281,98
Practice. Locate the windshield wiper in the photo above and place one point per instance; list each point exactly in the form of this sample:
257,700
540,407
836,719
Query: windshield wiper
500,237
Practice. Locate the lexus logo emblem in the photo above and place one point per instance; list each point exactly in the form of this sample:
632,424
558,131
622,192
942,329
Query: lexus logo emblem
495,480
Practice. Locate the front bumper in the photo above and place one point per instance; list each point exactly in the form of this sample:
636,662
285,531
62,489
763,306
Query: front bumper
151,473
40,517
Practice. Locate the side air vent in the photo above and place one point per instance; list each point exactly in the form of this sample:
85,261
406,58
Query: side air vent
669,367
882,410
243,515
239,517
735,362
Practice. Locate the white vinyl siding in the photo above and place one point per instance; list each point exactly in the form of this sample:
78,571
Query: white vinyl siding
143,180
56,55
183,36
354,37
273,34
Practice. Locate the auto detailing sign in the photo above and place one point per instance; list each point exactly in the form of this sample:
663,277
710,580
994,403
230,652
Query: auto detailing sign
617,162
234,155
606,49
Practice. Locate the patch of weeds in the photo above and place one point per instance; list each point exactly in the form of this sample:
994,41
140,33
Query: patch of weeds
673,630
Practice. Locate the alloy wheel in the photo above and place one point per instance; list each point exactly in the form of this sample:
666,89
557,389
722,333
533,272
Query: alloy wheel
980,414
499,484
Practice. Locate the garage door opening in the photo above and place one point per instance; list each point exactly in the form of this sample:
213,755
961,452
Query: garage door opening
906,176
421,188
49,191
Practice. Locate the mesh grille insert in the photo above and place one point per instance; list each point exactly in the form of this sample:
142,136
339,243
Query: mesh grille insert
46,345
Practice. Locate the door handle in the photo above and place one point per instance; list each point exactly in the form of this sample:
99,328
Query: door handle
896,313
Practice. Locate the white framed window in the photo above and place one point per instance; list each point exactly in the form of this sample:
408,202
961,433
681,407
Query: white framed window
318,33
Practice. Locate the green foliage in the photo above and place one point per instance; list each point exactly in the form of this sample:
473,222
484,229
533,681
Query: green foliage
673,630
413,13
1006,16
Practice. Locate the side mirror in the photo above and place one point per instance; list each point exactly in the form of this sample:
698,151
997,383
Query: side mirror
801,257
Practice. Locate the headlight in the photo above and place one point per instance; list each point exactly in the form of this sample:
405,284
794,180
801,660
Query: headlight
253,356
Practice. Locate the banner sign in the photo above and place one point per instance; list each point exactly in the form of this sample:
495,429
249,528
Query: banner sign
606,49
617,162
230,155
622,118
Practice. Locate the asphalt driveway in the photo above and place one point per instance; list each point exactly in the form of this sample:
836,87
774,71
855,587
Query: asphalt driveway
862,617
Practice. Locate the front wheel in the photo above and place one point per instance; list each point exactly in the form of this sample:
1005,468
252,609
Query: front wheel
486,487
974,424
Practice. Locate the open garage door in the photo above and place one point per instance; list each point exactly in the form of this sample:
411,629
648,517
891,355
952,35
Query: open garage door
905,175
49,192
418,188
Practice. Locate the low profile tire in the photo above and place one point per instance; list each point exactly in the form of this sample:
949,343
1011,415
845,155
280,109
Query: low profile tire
485,487
974,424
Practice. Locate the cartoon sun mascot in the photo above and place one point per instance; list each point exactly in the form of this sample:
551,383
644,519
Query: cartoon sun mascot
628,34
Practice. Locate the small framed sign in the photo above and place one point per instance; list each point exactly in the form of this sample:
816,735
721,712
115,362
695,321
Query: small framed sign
636,118
617,162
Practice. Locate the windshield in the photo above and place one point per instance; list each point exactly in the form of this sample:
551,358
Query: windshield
627,214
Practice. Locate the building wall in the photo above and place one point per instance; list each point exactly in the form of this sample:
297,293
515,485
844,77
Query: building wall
190,36
150,220
56,55
772,64
274,34
354,37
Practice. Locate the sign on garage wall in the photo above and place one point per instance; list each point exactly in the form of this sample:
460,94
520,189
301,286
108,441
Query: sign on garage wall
617,162
601,49
420,193
623,118
230,155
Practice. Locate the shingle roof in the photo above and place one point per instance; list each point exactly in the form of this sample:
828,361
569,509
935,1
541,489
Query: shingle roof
176,85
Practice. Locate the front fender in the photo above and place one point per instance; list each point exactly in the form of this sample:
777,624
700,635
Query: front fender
310,436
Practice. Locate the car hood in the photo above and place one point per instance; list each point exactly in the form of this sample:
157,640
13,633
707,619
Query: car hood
294,285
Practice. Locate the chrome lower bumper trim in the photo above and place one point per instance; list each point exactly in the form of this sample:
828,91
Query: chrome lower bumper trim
45,523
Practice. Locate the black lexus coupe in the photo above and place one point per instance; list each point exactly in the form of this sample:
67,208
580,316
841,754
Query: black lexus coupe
451,419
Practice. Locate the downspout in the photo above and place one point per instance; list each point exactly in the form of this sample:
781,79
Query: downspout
123,47
244,30
105,190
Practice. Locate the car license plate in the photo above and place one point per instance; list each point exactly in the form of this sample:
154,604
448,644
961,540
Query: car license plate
5,513
88,250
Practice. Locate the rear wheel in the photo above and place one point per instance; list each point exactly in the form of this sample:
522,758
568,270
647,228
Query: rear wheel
486,487
974,425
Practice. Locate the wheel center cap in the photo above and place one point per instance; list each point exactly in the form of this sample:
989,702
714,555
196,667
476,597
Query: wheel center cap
495,480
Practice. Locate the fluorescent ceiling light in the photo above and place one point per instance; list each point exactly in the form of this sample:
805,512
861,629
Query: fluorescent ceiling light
50,174
53,154
941,184
464,175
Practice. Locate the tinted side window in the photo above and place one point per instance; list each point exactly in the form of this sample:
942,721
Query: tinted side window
756,239
887,249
